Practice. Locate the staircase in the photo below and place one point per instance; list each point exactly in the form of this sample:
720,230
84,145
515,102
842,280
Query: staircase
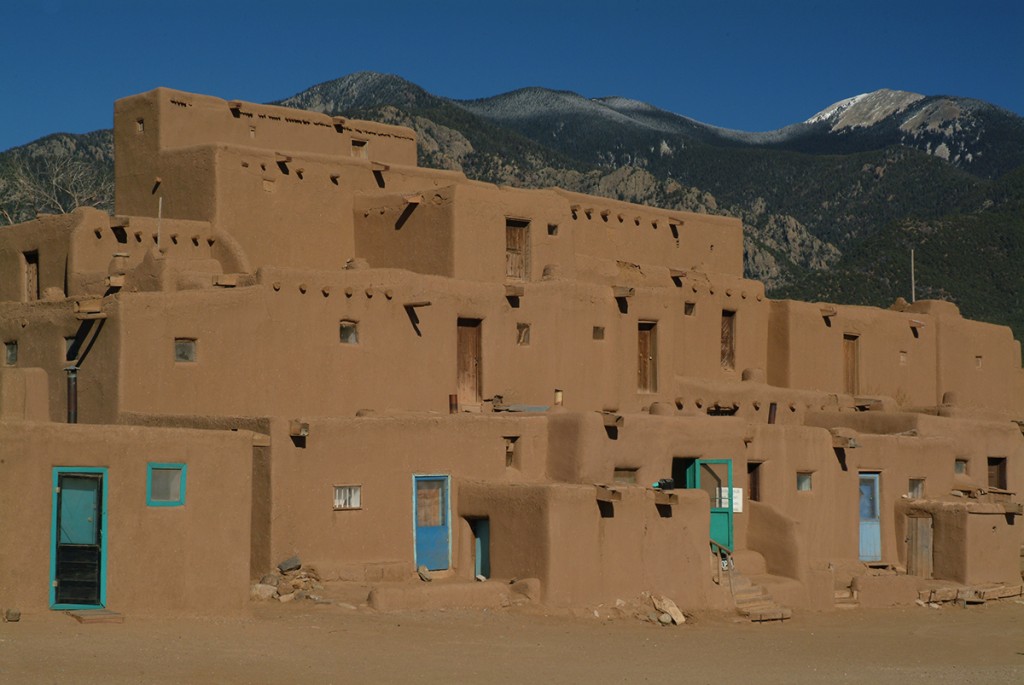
746,576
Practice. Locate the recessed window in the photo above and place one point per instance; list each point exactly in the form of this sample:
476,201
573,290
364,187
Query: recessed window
552,229
165,485
140,125
359,149
30,266
960,466
977,362
348,497
11,352
184,349
598,332
997,472
625,476
915,488
511,451
349,332
803,481
522,334
754,481
903,358
690,308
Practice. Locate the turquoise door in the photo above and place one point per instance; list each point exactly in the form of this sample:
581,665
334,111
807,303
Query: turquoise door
431,529
481,546
714,476
870,529
78,553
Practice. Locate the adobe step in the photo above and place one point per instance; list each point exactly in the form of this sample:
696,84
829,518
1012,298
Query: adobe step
752,601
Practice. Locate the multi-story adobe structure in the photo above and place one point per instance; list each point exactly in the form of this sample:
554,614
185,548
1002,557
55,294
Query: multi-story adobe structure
289,338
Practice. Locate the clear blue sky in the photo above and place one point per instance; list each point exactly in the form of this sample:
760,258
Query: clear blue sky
738,64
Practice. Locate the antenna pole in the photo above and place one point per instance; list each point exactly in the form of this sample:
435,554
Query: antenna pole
913,281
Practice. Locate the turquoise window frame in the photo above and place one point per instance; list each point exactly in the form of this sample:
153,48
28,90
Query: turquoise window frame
165,466
57,471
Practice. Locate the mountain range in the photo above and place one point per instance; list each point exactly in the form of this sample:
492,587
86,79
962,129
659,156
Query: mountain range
831,205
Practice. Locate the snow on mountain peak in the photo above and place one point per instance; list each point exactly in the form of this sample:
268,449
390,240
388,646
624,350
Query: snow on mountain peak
865,109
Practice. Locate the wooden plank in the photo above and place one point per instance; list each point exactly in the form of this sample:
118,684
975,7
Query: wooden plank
607,494
96,616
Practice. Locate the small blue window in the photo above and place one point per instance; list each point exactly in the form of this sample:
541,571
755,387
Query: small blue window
165,485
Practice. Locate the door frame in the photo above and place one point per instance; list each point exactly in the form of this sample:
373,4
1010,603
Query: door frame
448,513
58,471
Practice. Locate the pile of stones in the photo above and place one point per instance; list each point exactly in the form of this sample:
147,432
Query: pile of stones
288,582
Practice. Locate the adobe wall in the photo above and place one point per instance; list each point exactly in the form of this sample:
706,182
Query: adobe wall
159,558
47,236
381,453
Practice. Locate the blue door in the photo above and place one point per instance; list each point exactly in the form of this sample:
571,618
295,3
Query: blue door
714,476
432,531
870,529
78,553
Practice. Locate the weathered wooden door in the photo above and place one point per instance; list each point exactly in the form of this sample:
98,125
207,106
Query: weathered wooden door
919,546
851,364
870,524
431,530
78,567
647,357
728,340
468,352
517,250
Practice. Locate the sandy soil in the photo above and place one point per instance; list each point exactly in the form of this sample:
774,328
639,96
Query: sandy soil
305,643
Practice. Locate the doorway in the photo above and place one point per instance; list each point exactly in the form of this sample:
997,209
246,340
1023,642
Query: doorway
431,528
919,546
481,528
713,476
870,528
78,561
468,351
851,364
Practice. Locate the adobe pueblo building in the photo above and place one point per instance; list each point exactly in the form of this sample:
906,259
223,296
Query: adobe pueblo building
291,339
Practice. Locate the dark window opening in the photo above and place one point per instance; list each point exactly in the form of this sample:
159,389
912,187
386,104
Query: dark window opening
690,308
348,332
522,334
960,467
552,229
359,149
723,410
511,451
11,352
598,332
754,481
997,472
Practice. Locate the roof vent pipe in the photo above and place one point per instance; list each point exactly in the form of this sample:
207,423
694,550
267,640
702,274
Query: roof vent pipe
72,372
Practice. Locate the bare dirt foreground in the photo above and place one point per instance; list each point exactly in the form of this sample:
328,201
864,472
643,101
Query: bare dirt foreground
307,643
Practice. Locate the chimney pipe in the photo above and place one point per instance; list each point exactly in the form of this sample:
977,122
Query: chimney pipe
72,372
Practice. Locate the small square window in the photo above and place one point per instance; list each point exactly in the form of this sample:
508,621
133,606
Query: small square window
511,451
803,481
359,149
184,349
690,308
552,229
598,332
522,334
11,352
624,476
960,466
349,332
348,497
165,485
916,488
140,125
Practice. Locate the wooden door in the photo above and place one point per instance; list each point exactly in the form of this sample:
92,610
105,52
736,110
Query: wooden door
517,250
647,357
919,546
728,340
468,362
851,364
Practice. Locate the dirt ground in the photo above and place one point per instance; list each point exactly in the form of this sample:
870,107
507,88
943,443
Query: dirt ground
301,642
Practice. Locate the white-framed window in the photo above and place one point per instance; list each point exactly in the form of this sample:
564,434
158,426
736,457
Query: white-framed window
348,497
